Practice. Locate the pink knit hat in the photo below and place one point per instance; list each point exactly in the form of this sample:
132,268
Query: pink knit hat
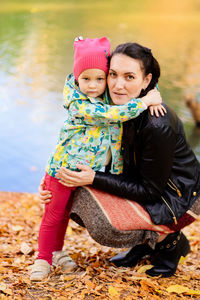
90,54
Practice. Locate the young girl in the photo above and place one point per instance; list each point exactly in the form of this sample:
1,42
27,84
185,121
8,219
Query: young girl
90,135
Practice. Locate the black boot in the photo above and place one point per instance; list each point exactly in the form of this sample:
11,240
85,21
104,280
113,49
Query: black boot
168,254
131,257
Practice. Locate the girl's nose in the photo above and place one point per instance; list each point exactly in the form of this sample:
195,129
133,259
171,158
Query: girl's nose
92,84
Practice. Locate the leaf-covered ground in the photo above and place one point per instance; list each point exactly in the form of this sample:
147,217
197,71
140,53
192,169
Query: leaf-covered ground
95,278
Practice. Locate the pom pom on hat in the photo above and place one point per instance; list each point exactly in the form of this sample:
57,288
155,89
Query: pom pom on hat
90,54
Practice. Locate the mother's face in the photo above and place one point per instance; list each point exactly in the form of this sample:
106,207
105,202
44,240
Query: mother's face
126,79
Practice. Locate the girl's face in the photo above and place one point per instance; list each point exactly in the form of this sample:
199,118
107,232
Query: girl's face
126,79
92,82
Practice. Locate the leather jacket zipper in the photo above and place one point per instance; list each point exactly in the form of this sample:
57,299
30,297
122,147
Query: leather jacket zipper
134,158
174,187
173,214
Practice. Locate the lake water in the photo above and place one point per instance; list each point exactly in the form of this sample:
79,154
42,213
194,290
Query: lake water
36,51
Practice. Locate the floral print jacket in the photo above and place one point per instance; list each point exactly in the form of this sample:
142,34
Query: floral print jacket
92,126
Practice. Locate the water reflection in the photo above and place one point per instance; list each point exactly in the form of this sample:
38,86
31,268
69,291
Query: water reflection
36,54
194,139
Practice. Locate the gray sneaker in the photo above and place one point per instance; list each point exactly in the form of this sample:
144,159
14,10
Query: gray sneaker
63,260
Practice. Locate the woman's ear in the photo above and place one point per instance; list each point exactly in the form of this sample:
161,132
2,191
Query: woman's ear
147,80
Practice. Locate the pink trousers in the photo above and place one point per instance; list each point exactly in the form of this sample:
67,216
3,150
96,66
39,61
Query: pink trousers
55,219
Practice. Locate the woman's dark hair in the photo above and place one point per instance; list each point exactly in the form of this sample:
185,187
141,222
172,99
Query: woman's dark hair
148,63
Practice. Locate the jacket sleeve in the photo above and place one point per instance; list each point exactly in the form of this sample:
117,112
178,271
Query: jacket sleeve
93,111
90,112
155,163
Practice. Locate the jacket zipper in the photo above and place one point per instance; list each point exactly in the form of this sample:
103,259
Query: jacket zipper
174,187
173,214
134,158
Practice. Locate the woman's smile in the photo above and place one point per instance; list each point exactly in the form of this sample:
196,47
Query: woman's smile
118,95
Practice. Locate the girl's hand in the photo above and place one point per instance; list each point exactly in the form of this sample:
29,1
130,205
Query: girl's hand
157,109
44,195
153,97
73,178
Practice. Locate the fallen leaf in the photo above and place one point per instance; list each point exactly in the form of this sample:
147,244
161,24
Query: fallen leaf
144,268
17,228
113,292
147,285
159,291
68,278
5,289
25,248
90,284
186,277
69,231
182,260
180,289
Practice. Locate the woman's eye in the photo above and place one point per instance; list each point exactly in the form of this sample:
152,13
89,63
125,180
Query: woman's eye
85,78
99,79
130,77
111,74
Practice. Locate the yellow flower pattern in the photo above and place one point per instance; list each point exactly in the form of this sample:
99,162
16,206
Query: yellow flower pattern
92,126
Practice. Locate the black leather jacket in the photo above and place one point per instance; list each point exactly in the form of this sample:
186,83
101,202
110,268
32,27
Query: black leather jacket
161,171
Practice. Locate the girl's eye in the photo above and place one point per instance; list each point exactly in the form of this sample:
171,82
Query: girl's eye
100,79
86,78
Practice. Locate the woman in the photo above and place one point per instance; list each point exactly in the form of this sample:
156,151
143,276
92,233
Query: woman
160,171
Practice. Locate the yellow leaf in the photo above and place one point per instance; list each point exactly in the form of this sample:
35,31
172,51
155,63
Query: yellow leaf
159,291
182,260
112,291
179,289
68,278
69,231
83,293
193,292
143,269
185,277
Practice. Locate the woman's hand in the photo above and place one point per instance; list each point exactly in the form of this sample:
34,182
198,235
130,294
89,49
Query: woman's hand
157,109
45,196
72,178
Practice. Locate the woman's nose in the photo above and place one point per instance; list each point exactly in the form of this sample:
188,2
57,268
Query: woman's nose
119,83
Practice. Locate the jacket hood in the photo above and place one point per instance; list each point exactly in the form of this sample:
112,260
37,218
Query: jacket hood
71,91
